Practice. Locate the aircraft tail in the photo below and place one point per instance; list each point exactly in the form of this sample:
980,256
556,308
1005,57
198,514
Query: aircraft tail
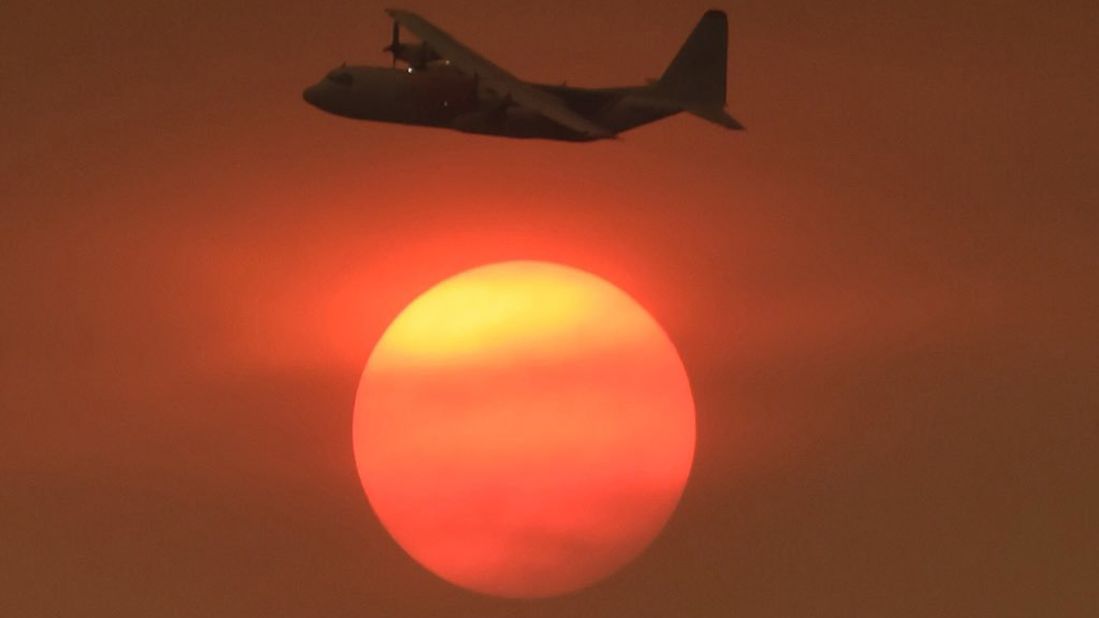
695,80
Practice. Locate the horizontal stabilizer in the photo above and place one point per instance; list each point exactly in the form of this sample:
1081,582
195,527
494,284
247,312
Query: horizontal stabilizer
716,116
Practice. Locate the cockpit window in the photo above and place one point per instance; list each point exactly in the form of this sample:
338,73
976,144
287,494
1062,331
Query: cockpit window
340,77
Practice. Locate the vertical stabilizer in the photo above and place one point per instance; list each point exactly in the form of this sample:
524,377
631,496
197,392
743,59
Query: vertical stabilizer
697,74
695,80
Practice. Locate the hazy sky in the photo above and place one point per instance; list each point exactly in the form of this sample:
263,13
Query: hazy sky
884,293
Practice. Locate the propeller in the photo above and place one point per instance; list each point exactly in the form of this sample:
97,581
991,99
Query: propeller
417,55
394,47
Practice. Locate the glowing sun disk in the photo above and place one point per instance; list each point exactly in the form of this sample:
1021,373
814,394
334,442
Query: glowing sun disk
524,429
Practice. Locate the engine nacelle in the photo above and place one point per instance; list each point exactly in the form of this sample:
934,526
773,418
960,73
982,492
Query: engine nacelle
417,55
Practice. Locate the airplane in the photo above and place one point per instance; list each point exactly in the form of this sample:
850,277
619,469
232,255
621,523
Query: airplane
443,83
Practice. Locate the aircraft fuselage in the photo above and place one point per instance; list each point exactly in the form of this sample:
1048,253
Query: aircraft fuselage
441,96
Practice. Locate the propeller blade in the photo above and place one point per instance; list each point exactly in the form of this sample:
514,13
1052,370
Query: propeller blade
395,46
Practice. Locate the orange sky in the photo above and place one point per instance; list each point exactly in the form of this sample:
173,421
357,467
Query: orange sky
883,292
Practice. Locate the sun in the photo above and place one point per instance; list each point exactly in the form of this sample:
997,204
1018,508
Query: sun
524,429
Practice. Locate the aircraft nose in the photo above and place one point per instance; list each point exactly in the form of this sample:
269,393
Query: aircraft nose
310,95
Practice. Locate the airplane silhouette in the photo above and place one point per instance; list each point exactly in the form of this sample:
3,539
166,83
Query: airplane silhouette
445,84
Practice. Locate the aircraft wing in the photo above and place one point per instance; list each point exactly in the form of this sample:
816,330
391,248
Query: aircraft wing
495,78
